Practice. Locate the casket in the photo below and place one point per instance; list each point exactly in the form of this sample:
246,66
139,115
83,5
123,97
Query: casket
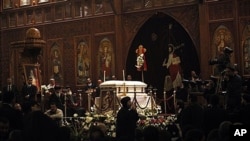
124,86
112,91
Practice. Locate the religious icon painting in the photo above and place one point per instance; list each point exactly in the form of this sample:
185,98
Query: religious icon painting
33,71
222,38
55,60
83,59
105,57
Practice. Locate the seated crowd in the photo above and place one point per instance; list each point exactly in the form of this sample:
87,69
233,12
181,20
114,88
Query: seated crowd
29,121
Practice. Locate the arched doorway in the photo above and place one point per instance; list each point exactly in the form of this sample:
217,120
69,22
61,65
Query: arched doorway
155,35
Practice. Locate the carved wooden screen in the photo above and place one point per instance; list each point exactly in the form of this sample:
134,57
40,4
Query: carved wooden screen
246,50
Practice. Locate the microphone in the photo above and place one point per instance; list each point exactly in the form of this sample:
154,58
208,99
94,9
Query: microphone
223,72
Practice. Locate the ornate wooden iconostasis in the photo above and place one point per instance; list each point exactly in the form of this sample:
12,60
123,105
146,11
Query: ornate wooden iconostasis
26,58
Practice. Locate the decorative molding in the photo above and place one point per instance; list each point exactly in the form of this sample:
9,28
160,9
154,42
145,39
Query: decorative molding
218,11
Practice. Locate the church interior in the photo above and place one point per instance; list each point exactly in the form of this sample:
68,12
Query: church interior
72,40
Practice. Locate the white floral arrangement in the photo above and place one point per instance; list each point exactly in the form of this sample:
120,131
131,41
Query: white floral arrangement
81,125
140,61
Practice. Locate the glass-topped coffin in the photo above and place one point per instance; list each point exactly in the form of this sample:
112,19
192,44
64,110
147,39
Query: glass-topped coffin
112,91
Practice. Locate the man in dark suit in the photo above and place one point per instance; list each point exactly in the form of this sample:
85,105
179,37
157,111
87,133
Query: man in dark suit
233,83
90,86
57,97
29,91
10,92
127,118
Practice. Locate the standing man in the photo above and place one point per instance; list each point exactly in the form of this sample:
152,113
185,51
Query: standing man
10,92
98,89
90,86
58,97
29,91
223,60
233,87
50,88
127,118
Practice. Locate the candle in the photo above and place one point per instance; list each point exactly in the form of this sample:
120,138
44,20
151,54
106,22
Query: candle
123,75
104,72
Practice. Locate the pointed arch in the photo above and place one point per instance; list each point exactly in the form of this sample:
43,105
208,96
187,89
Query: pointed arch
154,34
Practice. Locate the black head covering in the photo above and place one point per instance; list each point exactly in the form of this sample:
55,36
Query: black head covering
228,50
57,87
125,100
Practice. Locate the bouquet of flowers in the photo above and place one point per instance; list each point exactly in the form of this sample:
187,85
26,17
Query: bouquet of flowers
81,125
140,61
159,121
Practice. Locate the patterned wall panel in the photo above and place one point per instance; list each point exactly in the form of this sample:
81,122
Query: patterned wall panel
221,10
105,24
244,7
